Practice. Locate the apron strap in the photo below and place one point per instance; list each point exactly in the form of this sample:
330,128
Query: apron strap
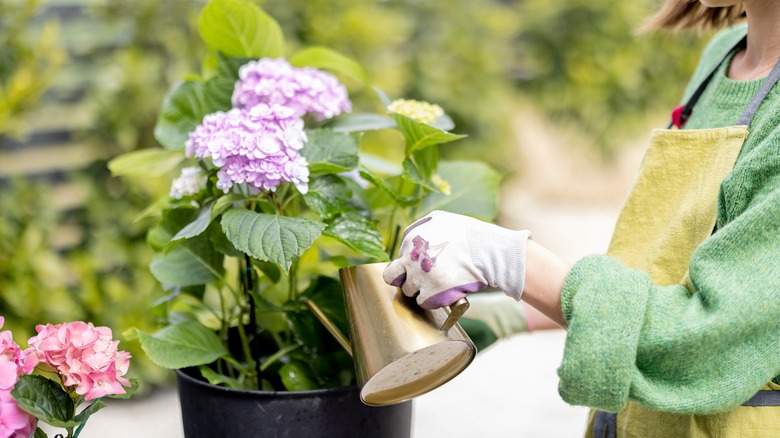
763,90
764,398
686,110
605,424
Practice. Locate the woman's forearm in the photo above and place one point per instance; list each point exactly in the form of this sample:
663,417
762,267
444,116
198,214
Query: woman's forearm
544,278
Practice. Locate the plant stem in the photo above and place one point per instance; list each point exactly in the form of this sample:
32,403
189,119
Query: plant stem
255,347
292,283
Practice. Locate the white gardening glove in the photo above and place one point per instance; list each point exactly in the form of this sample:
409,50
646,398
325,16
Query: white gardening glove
444,255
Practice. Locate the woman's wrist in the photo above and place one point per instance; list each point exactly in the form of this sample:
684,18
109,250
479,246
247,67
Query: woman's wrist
544,277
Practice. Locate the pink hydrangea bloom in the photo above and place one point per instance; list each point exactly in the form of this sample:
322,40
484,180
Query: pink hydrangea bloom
14,422
306,90
259,146
86,356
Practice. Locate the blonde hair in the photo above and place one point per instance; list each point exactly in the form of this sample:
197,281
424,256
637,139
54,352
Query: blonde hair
684,14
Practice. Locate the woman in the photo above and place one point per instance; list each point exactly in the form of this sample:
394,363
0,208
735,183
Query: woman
677,328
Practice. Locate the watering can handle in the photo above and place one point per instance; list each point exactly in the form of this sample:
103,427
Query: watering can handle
457,309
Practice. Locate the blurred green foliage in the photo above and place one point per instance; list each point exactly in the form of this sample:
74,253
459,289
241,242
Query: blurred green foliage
69,246
583,63
27,65
577,61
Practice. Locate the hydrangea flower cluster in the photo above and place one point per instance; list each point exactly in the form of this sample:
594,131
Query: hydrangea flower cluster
83,355
258,141
304,90
14,422
420,111
260,146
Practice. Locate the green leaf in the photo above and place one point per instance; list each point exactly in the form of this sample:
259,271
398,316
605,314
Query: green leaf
225,202
194,228
192,263
45,399
420,166
327,195
419,135
398,198
84,415
328,151
182,110
277,239
39,433
220,379
218,90
240,28
359,233
145,162
182,345
358,122
325,58
474,190
270,270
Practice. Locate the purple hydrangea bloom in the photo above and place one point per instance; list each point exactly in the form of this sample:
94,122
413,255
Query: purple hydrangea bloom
305,90
259,146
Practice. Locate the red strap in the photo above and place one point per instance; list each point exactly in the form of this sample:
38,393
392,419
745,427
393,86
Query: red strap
677,117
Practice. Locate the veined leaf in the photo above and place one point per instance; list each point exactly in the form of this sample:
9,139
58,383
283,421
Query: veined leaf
240,28
325,58
328,151
181,345
277,239
192,263
359,233
419,135
45,399
327,195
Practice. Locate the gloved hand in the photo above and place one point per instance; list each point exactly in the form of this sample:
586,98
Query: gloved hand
444,255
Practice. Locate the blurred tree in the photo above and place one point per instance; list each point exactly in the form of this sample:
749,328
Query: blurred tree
582,63
578,61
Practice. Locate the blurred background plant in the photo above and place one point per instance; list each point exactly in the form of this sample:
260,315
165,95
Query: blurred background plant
81,81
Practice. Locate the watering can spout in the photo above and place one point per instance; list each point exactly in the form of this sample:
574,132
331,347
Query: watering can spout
400,349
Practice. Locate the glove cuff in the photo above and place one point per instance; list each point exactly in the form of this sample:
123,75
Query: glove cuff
500,254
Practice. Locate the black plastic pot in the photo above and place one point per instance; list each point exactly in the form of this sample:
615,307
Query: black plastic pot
214,411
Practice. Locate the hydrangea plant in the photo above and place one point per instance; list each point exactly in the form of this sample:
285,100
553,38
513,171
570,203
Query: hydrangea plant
277,184
60,379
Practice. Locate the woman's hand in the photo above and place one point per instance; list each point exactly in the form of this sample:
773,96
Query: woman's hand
443,256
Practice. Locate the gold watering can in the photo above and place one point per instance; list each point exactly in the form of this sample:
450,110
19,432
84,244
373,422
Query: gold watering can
400,349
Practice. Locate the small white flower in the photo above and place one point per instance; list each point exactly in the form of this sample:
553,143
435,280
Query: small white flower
189,183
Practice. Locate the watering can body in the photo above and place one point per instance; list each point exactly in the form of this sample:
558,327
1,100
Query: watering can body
400,349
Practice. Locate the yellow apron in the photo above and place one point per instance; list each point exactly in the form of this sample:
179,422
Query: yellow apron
672,208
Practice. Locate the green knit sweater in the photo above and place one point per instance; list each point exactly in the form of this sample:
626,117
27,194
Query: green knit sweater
709,349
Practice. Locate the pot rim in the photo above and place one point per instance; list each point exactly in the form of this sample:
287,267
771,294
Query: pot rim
182,373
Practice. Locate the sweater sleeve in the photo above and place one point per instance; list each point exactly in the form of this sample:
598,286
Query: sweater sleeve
702,347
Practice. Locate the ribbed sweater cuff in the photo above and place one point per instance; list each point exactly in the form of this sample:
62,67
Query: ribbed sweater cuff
604,304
